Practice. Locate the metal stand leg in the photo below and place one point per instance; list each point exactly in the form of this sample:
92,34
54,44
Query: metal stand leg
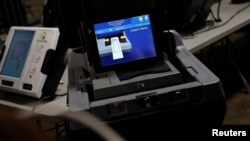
242,77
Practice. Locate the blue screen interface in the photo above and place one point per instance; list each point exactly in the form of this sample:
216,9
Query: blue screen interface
125,40
17,53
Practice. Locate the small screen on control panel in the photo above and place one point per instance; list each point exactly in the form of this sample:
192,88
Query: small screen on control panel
17,53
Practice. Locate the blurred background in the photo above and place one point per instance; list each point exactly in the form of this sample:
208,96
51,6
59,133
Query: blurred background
30,13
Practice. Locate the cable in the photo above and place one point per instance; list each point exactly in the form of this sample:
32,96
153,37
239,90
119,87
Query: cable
227,21
83,118
57,126
95,124
218,12
216,19
44,99
86,119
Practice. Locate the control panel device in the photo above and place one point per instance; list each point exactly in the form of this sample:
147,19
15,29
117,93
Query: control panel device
26,53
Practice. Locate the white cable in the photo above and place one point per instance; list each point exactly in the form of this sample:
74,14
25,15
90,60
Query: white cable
86,119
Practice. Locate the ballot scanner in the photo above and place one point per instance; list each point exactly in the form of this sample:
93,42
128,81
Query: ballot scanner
191,99
136,75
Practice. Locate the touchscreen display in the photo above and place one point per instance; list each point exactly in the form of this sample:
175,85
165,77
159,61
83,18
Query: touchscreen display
17,53
125,40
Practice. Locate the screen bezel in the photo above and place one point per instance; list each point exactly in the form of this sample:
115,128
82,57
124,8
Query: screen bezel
92,49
